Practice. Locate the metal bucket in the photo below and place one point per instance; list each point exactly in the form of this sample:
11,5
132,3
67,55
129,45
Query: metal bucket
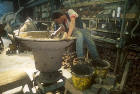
102,71
47,52
82,75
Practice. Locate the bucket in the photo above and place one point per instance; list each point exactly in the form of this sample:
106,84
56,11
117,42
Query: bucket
82,75
102,71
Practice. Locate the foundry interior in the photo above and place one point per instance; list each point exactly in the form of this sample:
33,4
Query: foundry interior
69,47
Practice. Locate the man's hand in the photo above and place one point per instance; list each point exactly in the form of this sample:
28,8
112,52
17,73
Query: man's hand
68,36
65,36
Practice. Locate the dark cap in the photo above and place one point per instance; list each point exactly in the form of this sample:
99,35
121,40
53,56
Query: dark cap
57,14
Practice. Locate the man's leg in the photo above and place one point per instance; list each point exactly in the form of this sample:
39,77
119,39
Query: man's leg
90,43
85,36
79,44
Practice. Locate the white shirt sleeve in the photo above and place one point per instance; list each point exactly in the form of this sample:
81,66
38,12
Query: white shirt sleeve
72,13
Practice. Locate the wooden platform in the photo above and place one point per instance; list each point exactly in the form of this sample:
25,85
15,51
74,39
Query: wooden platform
69,87
12,79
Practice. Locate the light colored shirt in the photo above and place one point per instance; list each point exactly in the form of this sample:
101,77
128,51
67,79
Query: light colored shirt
71,14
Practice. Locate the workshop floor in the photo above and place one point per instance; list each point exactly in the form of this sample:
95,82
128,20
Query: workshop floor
13,68
19,61
23,61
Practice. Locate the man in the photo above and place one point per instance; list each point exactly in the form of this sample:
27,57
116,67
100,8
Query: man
71,24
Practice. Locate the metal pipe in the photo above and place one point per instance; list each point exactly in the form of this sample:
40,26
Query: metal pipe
29,2
117,60
38,2
124,77
123,25
122,41
132,32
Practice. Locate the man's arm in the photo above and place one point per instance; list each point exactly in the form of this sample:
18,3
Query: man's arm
71,27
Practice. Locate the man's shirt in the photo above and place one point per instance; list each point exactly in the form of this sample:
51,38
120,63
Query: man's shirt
71,13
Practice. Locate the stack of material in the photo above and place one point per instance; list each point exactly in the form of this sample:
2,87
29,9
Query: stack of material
68,59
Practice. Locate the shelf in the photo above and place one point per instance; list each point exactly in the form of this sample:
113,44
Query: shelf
86,3
104,31
128,17
104,39
101,18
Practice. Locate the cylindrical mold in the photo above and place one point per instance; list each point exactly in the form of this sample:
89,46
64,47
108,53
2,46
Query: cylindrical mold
47,52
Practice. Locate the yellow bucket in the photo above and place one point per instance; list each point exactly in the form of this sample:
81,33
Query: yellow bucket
102,71
82,75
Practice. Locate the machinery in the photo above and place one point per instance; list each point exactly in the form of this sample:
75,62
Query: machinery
9,22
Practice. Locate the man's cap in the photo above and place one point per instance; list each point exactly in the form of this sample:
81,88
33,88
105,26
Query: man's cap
57,14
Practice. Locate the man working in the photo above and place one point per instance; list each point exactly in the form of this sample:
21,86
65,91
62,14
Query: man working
73,26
